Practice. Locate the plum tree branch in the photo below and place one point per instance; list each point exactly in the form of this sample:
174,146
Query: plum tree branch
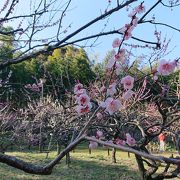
134,151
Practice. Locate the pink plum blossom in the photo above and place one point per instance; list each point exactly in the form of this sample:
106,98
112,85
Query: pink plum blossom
128,82
112,89
103,89
130,140
80,91
99,134
34,87
132,13
137,10
128,94
99,115
40,85
165,67
84,109
127,30
111,63
83,99
120,55
140,9
112,105
28,86
119,68
102,104
155,77
77,87
135,21
93,145
120,142
127,34
116,43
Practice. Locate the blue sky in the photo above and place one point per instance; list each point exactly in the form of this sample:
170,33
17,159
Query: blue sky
82,11
86,10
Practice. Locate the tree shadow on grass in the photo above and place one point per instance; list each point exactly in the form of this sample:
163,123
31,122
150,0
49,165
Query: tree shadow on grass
93,170
78,170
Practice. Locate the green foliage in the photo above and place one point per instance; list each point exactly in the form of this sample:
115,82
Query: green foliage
6,50
100,68
59,71
24,72
6,44
70,64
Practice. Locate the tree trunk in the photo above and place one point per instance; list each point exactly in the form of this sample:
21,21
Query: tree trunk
142,170
68,159
114,155
89,150
108,152
58,148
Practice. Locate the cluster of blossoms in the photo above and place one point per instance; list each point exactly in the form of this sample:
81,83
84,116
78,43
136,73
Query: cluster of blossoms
83,100
165,68
128,84
116,64
128,28
130,141
99,135
34,87
118,61
111,105
92,144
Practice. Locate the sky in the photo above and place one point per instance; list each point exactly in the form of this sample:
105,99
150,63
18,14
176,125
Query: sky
85,11
82,11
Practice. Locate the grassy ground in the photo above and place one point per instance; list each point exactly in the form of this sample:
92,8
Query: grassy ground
84,166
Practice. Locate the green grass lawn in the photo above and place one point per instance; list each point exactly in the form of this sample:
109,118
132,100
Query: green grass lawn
84,166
